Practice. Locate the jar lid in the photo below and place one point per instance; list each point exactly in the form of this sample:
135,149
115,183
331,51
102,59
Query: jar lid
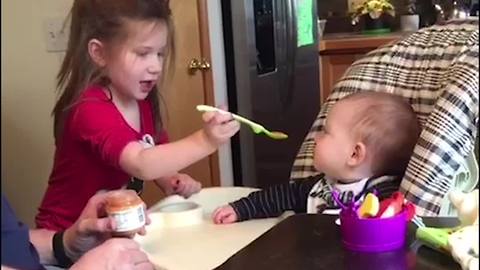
121,199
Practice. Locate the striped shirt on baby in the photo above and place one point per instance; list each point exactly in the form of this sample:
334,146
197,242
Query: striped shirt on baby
310,195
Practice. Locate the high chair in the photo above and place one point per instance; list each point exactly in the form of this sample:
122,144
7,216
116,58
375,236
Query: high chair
436,70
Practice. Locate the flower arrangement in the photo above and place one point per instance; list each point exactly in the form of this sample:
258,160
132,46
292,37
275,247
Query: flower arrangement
374,8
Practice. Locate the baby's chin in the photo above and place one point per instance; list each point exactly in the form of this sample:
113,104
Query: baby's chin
336,177
346,181
329,175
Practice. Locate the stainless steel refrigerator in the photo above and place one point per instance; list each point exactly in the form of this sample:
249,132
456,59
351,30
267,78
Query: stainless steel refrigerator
271,52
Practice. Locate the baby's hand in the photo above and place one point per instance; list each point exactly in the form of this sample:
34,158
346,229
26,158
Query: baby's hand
219,127
224,215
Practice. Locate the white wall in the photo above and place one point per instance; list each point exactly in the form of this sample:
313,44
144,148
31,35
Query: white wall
28,94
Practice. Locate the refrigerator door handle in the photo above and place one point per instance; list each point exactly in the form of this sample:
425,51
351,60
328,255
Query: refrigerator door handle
291,42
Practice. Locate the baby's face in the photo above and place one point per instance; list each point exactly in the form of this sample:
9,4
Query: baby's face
333,144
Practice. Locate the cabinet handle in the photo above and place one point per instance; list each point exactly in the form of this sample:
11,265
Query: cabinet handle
196,64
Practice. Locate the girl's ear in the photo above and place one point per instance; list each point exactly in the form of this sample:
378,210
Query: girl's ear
97,52
358,155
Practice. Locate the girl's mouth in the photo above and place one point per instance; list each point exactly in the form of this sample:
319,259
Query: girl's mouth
147,85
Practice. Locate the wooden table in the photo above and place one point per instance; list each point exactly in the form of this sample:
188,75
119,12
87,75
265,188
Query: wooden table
313,242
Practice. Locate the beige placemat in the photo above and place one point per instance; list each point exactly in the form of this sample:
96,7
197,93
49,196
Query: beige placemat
204,245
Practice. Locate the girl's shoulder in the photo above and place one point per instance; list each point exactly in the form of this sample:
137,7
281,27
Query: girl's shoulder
93,105
94,93
94,97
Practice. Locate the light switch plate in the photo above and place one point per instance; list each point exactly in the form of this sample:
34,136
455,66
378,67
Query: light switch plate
56,35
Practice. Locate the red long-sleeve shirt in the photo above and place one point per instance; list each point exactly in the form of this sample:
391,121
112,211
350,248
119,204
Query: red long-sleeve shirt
87,156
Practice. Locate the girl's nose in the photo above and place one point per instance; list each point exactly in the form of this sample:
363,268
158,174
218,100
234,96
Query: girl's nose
155,67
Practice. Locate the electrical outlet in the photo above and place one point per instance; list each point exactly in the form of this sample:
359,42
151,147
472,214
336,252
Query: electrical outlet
56,35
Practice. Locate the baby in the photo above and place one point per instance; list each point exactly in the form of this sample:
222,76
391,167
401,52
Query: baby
365,144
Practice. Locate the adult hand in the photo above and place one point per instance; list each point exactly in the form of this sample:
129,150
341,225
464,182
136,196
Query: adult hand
224,215
92,228
115,254
219,127
181,184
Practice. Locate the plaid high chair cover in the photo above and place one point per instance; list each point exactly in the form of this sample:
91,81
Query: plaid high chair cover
436,70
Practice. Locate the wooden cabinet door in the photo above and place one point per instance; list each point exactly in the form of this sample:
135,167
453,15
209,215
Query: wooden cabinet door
332,68
186,90
339,51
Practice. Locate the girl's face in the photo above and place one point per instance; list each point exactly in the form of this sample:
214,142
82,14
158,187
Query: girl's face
135,66
334,143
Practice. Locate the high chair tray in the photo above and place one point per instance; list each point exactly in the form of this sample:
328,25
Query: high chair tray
313,242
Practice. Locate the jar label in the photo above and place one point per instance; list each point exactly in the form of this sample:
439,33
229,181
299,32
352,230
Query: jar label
130,219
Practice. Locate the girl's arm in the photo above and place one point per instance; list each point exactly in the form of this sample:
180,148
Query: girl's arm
166,159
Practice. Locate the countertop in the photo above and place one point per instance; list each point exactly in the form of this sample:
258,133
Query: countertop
346,41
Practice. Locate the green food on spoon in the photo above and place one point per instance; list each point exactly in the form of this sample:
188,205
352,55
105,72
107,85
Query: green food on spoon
257,128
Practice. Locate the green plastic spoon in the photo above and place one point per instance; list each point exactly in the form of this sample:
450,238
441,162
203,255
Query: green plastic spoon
257,128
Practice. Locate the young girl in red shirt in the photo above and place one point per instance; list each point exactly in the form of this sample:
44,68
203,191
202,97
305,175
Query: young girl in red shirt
107,124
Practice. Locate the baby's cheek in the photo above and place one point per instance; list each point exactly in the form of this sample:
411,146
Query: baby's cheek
317,159
319,148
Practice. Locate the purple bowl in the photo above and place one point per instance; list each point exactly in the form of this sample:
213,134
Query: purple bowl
374,234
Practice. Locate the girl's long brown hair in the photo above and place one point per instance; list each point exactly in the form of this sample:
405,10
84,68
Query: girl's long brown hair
104,20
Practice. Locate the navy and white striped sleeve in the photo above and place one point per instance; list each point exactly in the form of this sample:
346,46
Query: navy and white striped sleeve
274,200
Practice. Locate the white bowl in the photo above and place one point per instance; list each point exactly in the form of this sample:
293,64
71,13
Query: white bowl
177,207
177,214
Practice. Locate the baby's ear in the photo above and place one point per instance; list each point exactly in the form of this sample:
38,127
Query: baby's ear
358,154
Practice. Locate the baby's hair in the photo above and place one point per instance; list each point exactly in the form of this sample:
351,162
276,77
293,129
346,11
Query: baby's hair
105,20
389,128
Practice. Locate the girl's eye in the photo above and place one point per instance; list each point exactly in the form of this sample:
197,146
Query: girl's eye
160,55
142,54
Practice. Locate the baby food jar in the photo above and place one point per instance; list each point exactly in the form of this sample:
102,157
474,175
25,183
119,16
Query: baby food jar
127,209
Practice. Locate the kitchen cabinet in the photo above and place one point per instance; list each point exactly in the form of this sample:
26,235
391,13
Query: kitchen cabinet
338,51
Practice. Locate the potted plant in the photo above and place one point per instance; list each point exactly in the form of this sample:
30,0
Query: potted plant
410,20
373,13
